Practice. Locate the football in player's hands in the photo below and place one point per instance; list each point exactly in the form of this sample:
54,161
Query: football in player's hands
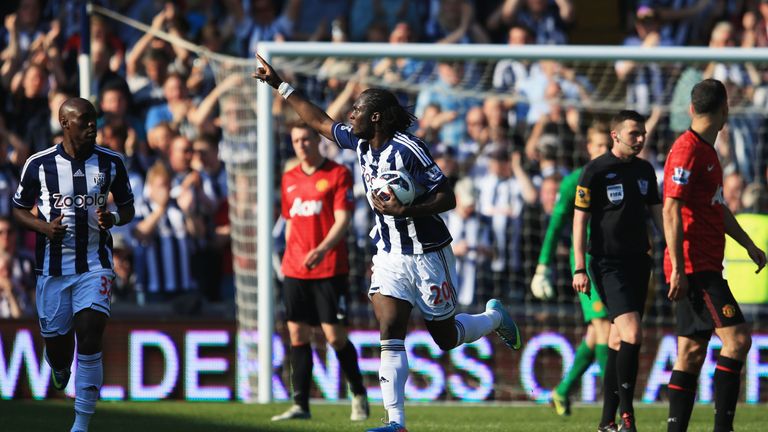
396,182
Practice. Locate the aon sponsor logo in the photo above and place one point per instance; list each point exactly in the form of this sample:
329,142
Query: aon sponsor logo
305,208
79,201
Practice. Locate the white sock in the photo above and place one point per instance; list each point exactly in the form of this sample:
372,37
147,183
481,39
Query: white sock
88,380
392,376
472,327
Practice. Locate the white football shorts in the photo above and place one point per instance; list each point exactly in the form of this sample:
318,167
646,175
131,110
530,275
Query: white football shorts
426,281
59,298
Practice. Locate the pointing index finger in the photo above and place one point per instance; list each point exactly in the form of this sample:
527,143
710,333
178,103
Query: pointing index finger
261,60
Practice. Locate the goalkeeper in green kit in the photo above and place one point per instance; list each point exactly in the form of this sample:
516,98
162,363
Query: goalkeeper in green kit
595,342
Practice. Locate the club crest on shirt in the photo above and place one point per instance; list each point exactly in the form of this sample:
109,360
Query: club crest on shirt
615,193
322,185
99,179
643,185
729,311
681,176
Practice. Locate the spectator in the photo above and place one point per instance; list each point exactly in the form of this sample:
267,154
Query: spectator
743,75
316,17
645,80
733,190
124,287
549,19
453,106
176,110
476,138
555,131
22,267
146,67
471,239
503,191
508,74
27,111
216,251
103,75
9,175
548,85
393,70
455,23
22,29
445,158
263,24
682,22
159,141
161,230
365,13
115,99
9,301
759,28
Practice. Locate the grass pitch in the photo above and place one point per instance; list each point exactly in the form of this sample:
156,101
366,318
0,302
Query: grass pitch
33,416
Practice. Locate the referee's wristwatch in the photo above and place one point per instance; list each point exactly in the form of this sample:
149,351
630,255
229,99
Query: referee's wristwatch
580,271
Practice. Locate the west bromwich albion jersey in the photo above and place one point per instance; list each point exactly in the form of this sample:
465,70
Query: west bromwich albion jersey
59,184
406,153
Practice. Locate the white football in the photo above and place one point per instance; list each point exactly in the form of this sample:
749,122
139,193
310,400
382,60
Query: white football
399,183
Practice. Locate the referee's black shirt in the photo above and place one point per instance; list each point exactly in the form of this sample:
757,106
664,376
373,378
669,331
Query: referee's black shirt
617,193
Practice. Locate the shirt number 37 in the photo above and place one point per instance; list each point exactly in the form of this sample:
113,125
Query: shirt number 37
106,287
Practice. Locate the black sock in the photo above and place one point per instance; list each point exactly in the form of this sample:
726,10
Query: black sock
348,360
301,375
626,374
682,395
610,393
727,386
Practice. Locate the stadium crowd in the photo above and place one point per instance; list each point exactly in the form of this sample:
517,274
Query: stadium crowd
161,106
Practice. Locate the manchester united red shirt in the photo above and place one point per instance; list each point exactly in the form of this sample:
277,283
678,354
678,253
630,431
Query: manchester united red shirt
308,202
693,174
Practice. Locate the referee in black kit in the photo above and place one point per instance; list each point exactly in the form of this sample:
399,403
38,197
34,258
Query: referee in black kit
614,195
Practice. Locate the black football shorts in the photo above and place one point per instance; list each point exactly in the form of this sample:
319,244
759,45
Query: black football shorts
622,283
315,301
708,305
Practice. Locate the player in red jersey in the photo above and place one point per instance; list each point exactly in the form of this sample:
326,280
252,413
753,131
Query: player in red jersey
696,220
317,205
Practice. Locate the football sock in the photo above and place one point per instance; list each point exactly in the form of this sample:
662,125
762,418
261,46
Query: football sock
601,356
626,370
301,374
348,360
470,328
610,391
88,380
727,386
682,395
584,357
393,374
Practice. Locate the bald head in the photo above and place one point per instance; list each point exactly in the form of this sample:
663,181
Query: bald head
78,121
75,105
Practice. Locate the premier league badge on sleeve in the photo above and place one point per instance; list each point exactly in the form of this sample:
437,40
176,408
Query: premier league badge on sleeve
643,185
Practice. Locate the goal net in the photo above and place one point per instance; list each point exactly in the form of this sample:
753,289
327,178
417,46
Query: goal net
539,102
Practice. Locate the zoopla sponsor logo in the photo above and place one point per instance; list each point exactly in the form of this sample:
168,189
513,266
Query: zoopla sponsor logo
79,201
